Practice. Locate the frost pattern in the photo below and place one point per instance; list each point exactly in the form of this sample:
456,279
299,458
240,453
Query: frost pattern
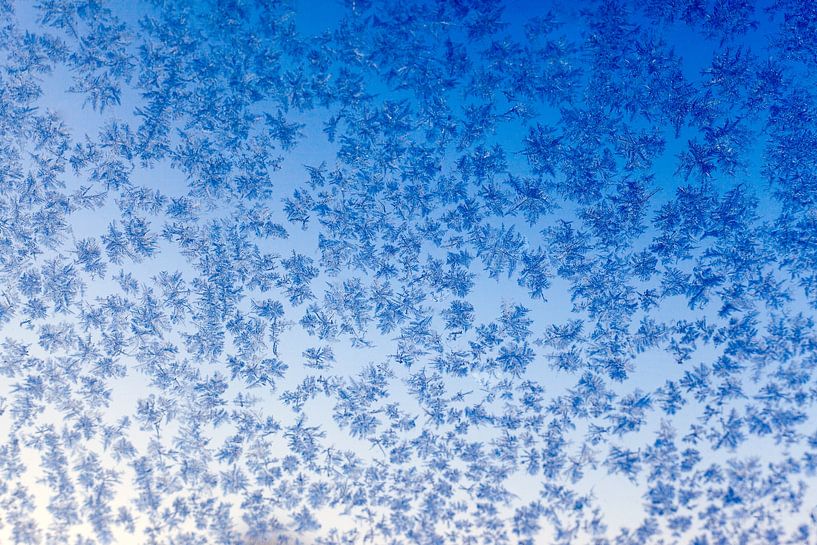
408,272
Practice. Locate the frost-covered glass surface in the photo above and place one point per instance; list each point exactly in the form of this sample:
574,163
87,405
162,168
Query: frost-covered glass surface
408,272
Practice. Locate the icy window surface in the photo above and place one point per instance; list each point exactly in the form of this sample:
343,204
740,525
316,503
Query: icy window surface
408,272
